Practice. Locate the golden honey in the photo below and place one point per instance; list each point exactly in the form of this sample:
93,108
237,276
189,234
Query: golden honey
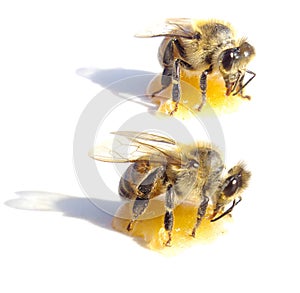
191,96
149,228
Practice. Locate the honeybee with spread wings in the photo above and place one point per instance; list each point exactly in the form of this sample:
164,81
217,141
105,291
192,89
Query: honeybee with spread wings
201,47
159,166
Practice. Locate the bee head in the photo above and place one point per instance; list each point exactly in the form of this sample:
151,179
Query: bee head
230,190
237,180
232,64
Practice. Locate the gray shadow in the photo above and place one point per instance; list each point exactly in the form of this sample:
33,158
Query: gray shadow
70,206
123,83
112,79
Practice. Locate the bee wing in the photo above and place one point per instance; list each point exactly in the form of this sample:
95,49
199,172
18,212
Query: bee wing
111,154
172,27
142,137
132,146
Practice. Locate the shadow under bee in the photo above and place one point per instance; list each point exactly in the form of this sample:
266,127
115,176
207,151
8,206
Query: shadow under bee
125,83
71,206
147,231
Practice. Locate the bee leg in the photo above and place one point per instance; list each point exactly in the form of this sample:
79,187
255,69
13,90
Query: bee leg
166,80
200,214
175,85
167,61
217,209
139,207
144,191
169,216
171,73
240,92
203,86
241,86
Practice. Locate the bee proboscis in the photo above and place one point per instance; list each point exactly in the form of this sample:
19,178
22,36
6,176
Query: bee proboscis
160,165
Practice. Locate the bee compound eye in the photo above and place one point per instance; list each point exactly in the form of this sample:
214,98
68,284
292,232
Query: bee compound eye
227,59
233,183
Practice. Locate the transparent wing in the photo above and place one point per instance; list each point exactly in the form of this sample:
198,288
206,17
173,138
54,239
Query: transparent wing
172,27
130,146
143,137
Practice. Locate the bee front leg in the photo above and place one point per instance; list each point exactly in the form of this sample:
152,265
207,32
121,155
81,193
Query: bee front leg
200,214
203,86
169,216
241,86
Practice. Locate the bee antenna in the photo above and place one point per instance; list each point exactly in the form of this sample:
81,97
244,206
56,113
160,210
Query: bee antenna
234,203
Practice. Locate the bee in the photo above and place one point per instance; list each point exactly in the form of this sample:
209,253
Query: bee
201,47
160,166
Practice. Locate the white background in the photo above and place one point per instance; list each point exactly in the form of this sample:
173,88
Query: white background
46,48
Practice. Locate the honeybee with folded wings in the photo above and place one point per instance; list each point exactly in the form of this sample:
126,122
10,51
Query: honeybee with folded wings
201,47
159,165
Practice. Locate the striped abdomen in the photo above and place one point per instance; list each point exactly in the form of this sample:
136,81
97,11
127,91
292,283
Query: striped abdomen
142,179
